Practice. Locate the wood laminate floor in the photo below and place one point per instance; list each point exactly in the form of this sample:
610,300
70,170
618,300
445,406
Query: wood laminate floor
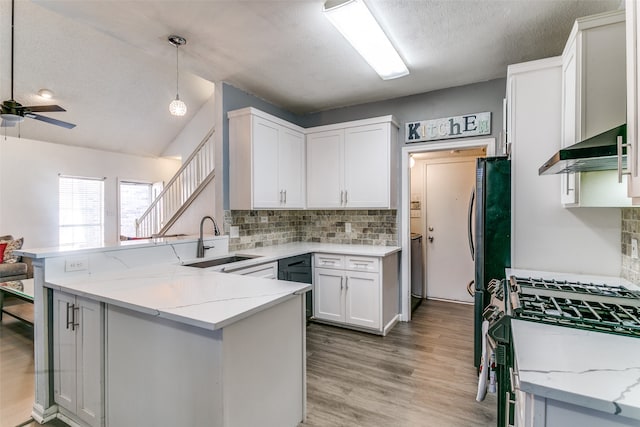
420,375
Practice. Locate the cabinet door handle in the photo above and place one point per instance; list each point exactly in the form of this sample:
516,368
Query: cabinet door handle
341,197
76,315
345,197
569,189
285,197
69,322
341,283
620,172
346,283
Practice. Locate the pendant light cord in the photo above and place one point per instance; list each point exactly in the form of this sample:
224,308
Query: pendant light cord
177,74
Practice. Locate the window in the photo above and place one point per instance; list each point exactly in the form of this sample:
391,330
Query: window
135,198
81,211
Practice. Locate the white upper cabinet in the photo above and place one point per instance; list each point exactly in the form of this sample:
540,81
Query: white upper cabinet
266,162
633,94
352,165
593,90
325,169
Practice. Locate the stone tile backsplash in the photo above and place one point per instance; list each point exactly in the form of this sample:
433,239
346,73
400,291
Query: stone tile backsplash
630,230
272,227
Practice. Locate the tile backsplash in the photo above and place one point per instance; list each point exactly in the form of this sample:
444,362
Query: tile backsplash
272,227
630,230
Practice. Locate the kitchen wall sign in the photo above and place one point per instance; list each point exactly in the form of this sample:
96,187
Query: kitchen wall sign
449,127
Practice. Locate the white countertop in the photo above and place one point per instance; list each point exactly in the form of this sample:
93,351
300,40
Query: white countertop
585,278
591,369
137,243
197,297
270,253
206,298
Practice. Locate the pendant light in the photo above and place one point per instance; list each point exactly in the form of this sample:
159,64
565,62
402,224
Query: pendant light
177,107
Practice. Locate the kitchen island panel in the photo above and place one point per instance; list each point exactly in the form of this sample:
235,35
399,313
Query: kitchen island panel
160,372
248,373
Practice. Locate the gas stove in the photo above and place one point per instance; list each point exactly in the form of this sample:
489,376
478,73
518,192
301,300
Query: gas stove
592,306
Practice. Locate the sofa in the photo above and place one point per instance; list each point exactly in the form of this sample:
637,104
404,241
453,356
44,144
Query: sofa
13,267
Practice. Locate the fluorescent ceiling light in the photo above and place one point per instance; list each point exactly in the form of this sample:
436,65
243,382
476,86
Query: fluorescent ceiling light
356,23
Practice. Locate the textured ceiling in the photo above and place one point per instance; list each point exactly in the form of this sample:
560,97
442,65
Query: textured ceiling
110,65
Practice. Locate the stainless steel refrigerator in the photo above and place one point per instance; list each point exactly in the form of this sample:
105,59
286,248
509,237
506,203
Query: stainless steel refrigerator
492,243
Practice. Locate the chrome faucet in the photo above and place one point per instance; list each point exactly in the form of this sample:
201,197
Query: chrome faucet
201,247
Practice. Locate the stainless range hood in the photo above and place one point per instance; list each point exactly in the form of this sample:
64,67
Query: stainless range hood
597,153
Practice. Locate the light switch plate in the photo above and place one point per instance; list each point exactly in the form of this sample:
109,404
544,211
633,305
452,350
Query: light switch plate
347,227
264,219
234,232
634,248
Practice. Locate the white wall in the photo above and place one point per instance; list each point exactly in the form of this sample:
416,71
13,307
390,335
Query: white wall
546,236
29,184
193,132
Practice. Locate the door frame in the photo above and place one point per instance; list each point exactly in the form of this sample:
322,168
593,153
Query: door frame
404,209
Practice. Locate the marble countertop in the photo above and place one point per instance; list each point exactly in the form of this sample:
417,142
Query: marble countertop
138,243
276,252
193,296
592,369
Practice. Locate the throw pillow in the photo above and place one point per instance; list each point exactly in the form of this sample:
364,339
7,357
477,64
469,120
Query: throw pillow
3,246
12,245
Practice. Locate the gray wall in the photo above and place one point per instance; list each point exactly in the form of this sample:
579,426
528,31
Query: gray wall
474,98
456,101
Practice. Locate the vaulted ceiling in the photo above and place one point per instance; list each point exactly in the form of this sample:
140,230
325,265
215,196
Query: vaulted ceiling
109,64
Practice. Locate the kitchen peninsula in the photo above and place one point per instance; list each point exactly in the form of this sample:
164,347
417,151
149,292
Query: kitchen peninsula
191,346
188,346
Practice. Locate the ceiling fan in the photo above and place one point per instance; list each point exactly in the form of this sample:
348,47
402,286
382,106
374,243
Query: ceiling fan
12,112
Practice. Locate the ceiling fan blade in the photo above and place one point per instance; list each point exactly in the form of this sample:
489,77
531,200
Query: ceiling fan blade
44,108
7,124
50,120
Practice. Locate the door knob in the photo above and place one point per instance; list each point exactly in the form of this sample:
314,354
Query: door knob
430,238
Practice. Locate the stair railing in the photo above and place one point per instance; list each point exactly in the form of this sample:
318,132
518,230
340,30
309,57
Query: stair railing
194,174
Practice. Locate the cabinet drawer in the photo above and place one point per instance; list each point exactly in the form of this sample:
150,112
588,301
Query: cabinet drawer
328,261
362,264
266,271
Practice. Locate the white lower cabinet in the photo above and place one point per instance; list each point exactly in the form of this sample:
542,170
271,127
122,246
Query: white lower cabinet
78,349
352,291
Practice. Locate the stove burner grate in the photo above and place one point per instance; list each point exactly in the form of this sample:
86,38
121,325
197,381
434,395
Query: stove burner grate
598,316
577,287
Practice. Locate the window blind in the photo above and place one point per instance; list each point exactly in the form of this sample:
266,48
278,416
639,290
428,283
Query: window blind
81,213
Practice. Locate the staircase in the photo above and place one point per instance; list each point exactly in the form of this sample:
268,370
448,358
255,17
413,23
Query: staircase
185,186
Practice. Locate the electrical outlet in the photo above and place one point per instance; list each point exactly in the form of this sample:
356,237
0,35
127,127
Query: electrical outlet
234,232
264,219
634,248
347,227
76,264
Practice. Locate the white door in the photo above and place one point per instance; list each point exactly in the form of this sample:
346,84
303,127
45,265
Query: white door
449,264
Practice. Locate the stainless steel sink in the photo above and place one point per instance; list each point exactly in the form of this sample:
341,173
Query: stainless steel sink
219,261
